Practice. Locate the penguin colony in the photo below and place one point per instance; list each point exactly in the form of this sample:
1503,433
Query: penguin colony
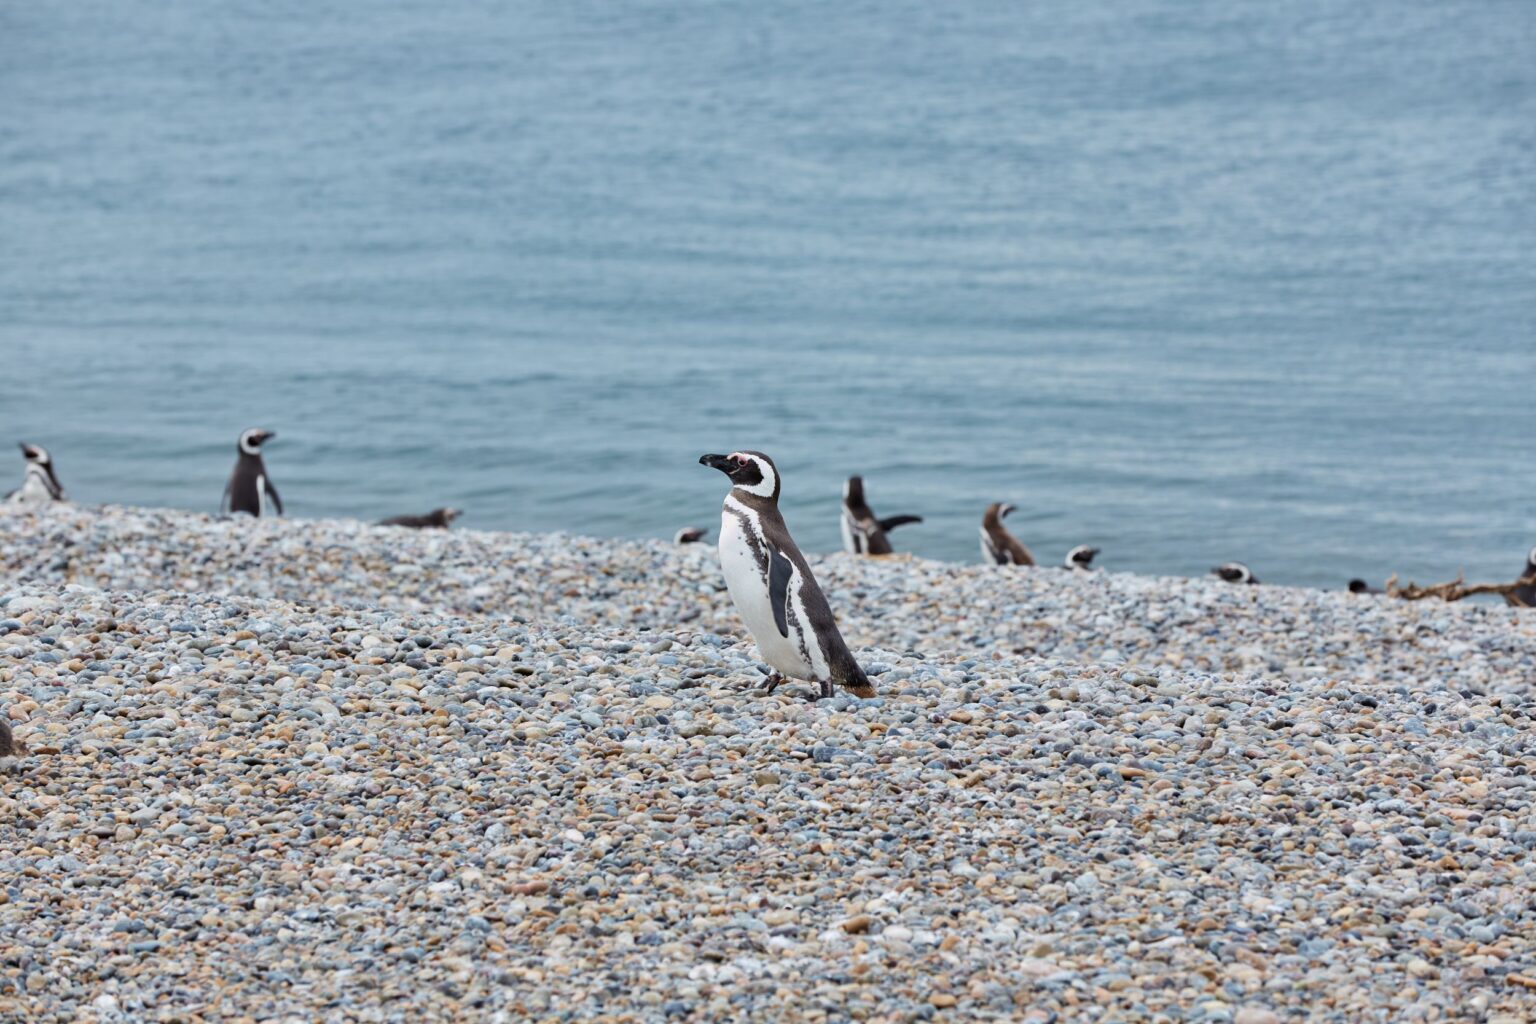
768,578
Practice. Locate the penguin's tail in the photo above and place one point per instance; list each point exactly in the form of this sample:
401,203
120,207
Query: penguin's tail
852,678
861,689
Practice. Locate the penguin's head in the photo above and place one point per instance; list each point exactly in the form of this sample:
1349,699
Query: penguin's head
994,514
36,454
1530,562
1359,587
252,440
751,472
446,516
1234,572
1081,557
689,535
853,490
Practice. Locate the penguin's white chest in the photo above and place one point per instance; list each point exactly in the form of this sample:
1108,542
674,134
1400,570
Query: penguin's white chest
33,491
746,578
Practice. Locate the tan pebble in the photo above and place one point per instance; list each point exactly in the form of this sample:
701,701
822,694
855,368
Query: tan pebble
942,1000
1256,1015
858,925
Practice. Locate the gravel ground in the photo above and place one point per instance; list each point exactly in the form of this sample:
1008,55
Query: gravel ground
316,771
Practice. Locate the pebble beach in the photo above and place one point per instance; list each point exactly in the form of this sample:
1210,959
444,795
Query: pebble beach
297,771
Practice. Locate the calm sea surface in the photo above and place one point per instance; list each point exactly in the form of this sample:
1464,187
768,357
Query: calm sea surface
1192,282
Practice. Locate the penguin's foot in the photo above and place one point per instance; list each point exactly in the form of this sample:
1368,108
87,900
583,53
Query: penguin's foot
827,689
769,685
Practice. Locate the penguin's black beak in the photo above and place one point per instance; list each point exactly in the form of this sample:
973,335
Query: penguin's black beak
1002,513
721,462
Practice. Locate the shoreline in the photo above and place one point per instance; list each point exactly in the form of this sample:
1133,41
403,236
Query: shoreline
328,770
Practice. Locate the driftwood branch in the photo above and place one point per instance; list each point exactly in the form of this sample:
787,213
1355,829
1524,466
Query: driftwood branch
1456,589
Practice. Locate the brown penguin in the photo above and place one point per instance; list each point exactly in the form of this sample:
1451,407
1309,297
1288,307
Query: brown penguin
997,544
863,534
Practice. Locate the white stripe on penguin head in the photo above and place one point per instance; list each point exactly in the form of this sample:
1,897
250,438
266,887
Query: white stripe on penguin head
763,488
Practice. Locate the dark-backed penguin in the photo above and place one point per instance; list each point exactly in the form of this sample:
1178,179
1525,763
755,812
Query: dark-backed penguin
1362,587
772,585
690,535
1234,572
997,544
39,485
1080,558
249,486
863,534
437,519
1524,597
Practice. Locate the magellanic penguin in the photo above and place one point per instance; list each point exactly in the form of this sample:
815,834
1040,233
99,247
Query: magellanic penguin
39,485
1234,572
249,486
772,585
1080,558
863,534
437,519
1524,597
1362,587
690,535
997,544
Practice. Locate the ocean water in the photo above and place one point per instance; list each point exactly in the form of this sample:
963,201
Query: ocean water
1190,282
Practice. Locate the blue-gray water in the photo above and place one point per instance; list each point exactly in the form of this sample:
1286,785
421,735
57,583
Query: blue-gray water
1192,282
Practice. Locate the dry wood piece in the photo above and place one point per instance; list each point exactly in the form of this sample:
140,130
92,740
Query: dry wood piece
9,745
1456,589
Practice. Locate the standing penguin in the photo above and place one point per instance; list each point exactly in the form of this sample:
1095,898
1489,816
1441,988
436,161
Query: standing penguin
772,585
1234,572
998,546
863,534
1080,558
39,485
249,486
1524,597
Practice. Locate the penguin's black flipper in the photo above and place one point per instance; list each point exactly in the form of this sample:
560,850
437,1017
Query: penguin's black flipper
779,571
272,493
224,501
895,521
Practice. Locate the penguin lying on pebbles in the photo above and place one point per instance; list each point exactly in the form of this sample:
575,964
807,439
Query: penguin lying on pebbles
1362,587
772,585
998,546
1524,597
249,486
690,535
863,534
437,519
1234,572
39,485
1080,558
